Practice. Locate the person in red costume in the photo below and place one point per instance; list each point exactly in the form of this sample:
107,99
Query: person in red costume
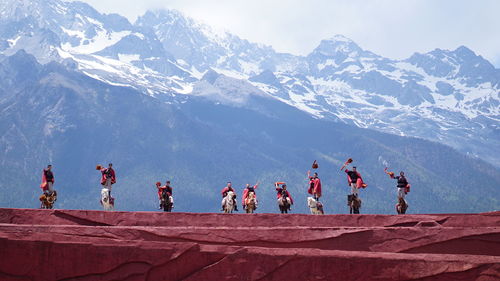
160,191
314,185
224,191
108,177
354,180
282,190
47,180
248,189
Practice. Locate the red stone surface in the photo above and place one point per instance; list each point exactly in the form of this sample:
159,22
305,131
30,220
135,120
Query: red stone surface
95,245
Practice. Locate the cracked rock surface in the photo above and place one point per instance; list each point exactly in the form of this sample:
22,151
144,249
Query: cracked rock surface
96,245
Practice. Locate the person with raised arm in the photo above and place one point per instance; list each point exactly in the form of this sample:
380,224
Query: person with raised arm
314,185
108,177
249,188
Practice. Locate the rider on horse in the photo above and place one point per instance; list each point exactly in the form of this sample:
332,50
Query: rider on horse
224,192
166,188
403,186
246,191
281,191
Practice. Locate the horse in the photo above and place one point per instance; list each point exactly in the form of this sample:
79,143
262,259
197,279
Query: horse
402,206
284,202
250,203
167,201
228,202
315,206
107,202
47,200
354,203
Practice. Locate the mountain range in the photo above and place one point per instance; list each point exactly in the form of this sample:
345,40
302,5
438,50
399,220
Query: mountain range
168,97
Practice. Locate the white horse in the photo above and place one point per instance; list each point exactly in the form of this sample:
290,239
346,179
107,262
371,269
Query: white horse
315,206
228,202
107,202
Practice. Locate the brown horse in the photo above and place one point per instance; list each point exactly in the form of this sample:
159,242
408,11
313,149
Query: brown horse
354,203
47,200
250,203
402,206
284,202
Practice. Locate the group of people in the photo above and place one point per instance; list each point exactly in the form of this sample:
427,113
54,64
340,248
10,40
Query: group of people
285,200
229,196
49,194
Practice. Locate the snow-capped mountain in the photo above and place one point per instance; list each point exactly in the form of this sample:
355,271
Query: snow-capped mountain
452,97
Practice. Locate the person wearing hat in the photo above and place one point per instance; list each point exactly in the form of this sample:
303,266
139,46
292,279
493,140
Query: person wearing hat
314,185
224,192
108,177
282,190
354,180
47,180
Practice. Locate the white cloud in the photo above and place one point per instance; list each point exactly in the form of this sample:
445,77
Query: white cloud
391,28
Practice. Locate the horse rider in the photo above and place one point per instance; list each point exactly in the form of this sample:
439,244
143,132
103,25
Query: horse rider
354,180
246,191
314,185
224,192
108,177
169,191
166,188
282,190
160,191
47,180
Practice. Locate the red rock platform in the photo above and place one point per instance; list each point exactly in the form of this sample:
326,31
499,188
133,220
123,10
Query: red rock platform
95,245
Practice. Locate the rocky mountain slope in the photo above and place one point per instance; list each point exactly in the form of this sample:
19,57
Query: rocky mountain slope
451,97
54,114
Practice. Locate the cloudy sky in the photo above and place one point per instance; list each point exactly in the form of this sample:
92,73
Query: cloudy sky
392,28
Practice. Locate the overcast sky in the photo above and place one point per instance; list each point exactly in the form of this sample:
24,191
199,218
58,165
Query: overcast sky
391,28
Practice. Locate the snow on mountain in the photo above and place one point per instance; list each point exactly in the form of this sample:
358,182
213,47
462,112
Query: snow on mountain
449,96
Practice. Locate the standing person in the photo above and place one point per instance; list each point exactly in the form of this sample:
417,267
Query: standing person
224,192
246,191
47,180
108,177
314,185
403,185
354,180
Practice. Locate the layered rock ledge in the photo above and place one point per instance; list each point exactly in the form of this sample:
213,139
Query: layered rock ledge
97,245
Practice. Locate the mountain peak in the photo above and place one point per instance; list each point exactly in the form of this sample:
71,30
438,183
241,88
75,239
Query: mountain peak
339,38
463,51
338,45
